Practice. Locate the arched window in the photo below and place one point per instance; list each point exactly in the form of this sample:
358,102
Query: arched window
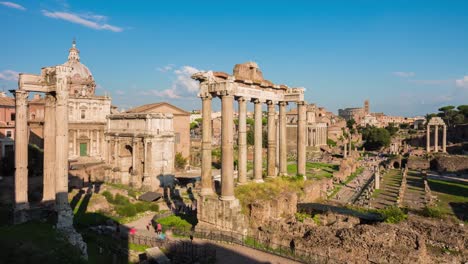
83,114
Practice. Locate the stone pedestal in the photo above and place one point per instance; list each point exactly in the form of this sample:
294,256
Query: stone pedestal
215,214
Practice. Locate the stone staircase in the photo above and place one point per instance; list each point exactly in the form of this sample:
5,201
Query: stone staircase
414,197
389,189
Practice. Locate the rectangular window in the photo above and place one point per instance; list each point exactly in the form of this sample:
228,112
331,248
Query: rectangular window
8,134
177,138
12,116
83,114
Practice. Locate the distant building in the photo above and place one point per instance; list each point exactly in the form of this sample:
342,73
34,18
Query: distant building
181,123
7,125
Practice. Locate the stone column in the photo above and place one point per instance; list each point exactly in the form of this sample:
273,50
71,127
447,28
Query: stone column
444,139
49,149
242,164
116,150
206,176
74,141
227,157
134,151
283,160
428,139
21,150
301,146
258,141
271,157
148,177
377,179
436,138
61,143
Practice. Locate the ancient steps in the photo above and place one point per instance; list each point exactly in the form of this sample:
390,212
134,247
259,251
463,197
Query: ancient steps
414,193
389,188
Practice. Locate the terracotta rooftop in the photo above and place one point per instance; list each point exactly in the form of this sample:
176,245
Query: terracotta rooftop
7,101
147,107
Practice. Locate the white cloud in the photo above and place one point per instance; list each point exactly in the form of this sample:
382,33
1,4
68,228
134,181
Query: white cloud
9,75
166,68
463,83
182,86
89,20
404,74
13,5
431,82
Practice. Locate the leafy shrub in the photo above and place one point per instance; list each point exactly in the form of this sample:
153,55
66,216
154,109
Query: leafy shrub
109,197
392,214
126,210
154,207
180,161
434,212
331,143
174,221
121,200
132,193
301,216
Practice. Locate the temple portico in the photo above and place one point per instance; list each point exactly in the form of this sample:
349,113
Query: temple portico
246,85
436,122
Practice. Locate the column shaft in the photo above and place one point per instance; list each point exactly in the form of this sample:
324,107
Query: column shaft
436,138
283,160
49,149
61,136
21,150
271,154
242,159
206,176
444,139
428,139
258,142
227,138
301,146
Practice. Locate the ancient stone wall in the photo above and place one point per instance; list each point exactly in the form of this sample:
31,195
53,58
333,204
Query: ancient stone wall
418,163
284,206
450,163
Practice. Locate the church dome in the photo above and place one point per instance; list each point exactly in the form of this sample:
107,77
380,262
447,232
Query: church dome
82,81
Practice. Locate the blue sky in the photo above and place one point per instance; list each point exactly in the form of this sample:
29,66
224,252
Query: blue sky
407,57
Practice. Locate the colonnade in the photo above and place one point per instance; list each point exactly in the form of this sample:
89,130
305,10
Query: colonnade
55,139
227,141
436,138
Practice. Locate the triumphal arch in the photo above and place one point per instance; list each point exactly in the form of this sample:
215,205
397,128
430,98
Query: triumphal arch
55,83
246,84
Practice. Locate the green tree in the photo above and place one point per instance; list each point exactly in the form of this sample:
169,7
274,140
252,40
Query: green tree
250,122
392,129
375,138
193,125
180,161
350,123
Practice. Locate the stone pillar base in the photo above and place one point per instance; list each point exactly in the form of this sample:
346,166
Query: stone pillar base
258,180
65,226
216,214
206,192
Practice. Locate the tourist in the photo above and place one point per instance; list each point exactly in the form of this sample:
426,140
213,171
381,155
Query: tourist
159,228
132,231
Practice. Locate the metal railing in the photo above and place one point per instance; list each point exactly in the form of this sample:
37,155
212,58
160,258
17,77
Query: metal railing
286,251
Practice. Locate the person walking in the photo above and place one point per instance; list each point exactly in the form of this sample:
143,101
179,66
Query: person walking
159,228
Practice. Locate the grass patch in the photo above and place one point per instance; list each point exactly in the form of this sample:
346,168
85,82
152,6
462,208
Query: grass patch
315,170
174,221
136,247
433,212
452,196
35,242
392,215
